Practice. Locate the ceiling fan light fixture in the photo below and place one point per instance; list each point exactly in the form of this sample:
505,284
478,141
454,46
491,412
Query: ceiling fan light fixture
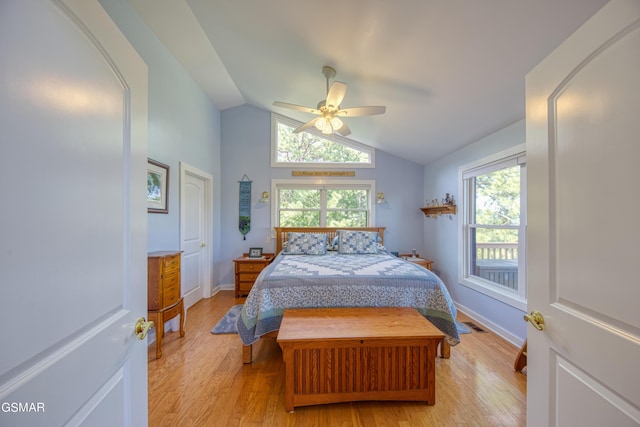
321,123
336,123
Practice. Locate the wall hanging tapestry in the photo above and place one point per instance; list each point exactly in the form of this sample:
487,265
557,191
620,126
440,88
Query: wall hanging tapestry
244,223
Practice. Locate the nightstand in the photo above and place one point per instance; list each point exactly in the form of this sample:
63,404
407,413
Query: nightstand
247,270
426,263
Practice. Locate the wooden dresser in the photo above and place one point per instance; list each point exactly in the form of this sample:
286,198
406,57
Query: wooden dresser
164,298
247,270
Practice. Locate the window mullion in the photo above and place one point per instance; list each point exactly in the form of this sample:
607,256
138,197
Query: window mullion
323,207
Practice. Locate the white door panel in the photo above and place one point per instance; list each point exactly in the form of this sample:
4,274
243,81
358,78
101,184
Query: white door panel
583,232
195,223
193,239
73,247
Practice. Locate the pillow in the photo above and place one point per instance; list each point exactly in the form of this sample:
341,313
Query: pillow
357,242
306,244
335,243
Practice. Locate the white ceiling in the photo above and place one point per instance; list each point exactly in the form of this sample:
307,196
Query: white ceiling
449,71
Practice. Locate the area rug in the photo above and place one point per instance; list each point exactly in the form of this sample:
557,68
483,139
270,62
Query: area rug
227,325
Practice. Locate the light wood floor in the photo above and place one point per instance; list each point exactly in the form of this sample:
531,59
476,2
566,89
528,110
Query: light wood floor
201,381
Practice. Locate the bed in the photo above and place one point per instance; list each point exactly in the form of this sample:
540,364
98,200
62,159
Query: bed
353,270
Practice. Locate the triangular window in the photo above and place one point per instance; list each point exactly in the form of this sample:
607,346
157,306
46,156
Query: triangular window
312,148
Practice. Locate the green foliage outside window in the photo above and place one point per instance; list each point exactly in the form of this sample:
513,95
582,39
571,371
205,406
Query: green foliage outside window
342,208
497,202
305,147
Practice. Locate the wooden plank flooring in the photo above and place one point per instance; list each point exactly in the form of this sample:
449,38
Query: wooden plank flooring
201,381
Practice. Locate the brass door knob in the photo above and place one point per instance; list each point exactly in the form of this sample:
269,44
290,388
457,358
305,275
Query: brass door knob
142,327
536,319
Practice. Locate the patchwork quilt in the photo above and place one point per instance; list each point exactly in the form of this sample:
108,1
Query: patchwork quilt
344,280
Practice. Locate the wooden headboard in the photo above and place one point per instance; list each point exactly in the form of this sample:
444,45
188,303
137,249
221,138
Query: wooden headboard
282,236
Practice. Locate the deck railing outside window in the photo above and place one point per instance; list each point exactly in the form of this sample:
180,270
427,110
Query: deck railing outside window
498,262
497,251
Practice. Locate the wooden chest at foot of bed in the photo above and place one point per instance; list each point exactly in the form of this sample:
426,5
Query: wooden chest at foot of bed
352,354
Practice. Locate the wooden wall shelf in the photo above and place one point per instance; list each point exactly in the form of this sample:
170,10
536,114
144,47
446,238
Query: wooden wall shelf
435,211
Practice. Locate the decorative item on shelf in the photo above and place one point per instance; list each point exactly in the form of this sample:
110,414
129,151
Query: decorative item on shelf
381,199
265,197
435,207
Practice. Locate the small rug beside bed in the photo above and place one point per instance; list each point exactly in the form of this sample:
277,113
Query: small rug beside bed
227,325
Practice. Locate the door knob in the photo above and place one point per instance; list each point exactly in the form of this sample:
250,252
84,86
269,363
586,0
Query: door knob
536,319
142,327
202,245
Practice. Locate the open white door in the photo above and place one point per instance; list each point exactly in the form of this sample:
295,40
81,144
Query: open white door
583,149
73,128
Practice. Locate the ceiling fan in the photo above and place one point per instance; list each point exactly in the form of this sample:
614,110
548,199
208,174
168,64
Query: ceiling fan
329,111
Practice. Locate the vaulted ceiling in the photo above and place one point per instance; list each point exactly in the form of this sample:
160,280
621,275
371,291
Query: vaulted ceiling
449,71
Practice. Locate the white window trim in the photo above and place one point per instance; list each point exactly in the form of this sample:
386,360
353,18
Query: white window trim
277,118
371,184
478,167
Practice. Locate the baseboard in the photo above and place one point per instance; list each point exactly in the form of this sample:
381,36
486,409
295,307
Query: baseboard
219,288
503,333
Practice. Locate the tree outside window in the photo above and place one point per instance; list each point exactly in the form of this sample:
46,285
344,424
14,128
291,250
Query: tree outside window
493,221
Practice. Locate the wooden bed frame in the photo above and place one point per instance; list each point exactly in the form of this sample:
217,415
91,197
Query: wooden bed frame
282,236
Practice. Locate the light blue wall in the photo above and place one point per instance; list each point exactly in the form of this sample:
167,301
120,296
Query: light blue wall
184,125
246,145
441,234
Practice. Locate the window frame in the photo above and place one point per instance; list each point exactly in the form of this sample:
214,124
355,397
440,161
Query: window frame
510,157
369,185
277,118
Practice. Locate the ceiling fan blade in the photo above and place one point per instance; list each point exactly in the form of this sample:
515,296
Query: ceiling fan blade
306,126
361,111
344,129
296,107
336,94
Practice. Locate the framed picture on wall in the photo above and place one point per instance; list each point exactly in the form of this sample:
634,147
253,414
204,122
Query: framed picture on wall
157,187
255,253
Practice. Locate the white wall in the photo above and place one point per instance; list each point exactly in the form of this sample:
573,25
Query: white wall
246,145
441,234
184,125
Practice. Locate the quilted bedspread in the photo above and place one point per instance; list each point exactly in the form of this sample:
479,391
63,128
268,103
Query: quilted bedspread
337,280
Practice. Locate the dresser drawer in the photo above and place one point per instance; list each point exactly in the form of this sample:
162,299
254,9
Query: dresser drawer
170,296
170,280
248,267
248,277
171,263
245,287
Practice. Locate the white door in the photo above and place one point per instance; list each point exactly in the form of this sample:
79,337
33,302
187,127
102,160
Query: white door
73,126
195,223
583,151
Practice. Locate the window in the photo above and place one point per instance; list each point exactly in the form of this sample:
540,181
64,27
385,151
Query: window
322,204
312,149
493,221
